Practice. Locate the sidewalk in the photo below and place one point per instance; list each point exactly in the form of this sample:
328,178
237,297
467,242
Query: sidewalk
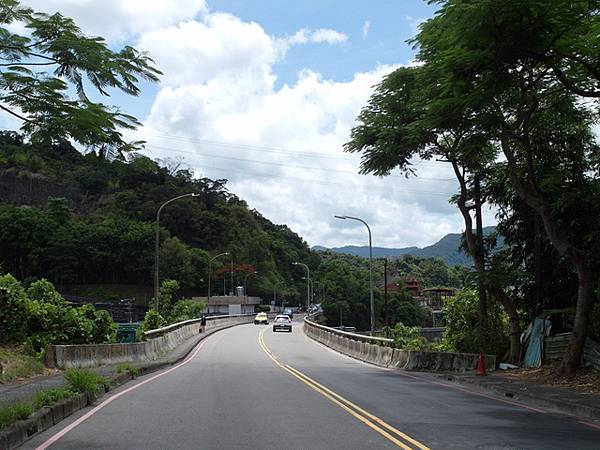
559,399
25,390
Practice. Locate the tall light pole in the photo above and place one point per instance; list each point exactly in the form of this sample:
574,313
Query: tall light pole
371,302
232,286
275,292
210,275
157,244
307,282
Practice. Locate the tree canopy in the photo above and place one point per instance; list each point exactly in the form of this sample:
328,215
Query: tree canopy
42,67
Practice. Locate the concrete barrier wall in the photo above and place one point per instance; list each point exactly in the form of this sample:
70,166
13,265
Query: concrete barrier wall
381,352
159,343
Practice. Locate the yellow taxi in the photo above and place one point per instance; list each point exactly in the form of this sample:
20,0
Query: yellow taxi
261,319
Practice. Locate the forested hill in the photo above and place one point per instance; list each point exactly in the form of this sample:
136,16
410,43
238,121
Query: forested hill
447,248
83,219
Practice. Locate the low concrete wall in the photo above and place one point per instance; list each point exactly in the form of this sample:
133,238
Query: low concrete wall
380,351
159,342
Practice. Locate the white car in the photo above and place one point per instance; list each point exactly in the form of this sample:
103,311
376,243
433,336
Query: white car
282,322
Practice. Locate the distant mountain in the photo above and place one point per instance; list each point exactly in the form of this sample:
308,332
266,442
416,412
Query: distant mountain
446,248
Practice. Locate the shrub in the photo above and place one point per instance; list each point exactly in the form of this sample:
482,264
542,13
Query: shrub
406,338
11,413
186,310
152,321
462,326
51,396
85,381
13,315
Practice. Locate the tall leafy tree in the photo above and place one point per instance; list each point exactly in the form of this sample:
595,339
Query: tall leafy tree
518,66
39,69
401,121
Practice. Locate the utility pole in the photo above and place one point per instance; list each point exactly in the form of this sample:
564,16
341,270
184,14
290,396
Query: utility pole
385,293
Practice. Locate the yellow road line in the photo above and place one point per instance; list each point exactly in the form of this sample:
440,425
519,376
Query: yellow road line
346,405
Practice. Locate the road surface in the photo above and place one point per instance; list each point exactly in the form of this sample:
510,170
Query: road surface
249,388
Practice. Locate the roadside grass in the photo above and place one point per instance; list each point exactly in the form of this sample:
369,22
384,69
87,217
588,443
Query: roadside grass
51,396
11,413
127,367
86,381
15,364
19,411
78,381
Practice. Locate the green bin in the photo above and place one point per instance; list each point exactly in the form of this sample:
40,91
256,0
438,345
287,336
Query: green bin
126,332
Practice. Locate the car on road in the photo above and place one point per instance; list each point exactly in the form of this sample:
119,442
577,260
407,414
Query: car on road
282,322
288,312
261,319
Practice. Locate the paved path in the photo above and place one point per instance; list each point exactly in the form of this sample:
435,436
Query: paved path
249,388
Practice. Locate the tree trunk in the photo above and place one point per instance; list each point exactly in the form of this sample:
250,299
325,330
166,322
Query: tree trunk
497,292
585,299
561,240
514,331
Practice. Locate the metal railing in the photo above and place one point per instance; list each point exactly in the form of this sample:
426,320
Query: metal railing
347,334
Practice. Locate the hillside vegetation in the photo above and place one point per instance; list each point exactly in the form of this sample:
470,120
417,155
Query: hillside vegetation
78,218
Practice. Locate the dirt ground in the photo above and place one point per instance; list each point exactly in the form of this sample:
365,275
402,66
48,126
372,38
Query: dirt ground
586,379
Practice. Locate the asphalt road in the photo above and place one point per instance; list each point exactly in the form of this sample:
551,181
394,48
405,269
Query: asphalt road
249,388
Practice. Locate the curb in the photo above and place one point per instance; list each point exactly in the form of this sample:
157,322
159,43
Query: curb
561,405
45,418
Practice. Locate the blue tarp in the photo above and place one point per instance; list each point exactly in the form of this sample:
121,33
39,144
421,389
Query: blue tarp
537,328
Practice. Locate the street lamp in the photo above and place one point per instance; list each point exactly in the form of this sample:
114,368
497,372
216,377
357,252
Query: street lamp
307,282
210,276
275,292
371,302
157,244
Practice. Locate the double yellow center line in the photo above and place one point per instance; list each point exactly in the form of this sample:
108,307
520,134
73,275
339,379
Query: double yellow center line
394,435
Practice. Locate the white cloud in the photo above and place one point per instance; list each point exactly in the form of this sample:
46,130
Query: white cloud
117,20
365,29
321,35
281,147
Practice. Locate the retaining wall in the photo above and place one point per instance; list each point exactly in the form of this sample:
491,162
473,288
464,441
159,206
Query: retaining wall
159,342
378,351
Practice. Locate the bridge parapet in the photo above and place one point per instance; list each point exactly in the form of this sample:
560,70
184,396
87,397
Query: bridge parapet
381,351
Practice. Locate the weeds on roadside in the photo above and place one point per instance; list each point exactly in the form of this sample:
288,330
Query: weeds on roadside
85,381
51,396
127,367
11,413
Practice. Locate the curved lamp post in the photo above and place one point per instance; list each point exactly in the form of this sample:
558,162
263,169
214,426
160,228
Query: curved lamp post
210,276
157,244
371,302
307,282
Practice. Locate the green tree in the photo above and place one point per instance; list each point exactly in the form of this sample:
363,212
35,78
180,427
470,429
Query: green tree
40,67
403,309
462,335
525,97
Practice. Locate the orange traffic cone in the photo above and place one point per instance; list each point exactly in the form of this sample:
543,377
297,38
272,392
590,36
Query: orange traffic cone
480,366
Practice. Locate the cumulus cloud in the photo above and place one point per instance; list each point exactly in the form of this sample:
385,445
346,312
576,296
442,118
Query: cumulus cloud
322,35
117,20
365,29
281,147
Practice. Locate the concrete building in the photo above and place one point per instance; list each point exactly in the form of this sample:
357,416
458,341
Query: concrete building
230,304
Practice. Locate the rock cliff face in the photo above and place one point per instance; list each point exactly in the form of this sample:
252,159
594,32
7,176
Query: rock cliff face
33,189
